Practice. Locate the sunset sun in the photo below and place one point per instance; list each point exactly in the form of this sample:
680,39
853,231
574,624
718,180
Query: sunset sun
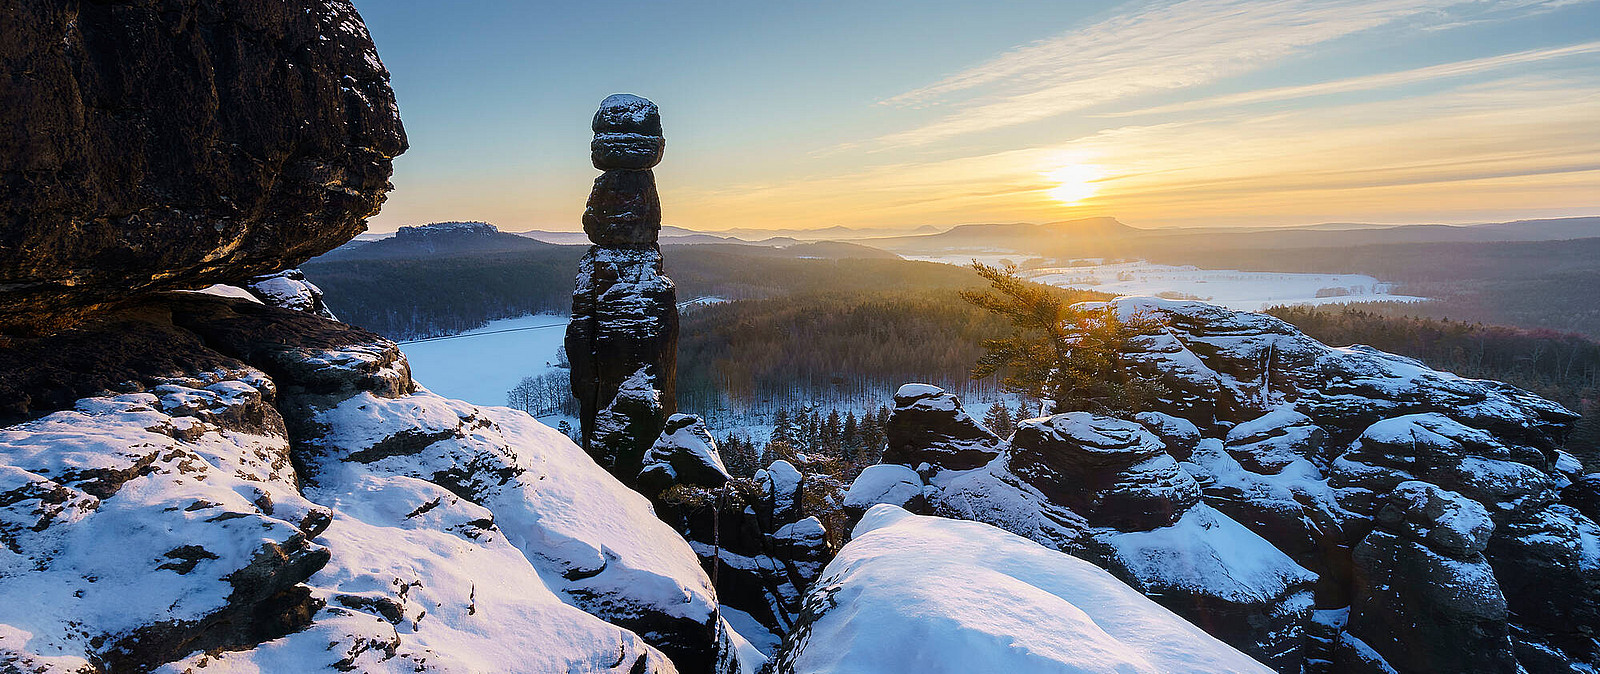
1076,182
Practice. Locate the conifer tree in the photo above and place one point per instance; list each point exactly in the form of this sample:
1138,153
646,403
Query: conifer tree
1069,355
782,430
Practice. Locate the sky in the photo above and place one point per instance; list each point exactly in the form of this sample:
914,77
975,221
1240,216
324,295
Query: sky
901,113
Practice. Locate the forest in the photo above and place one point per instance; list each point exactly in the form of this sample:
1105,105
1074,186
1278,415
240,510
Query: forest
429,296
1533,284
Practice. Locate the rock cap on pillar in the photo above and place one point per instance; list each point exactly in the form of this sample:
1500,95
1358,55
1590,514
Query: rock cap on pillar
624,208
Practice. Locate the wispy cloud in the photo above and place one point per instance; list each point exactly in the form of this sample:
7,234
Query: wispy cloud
1371,82
1153,48
1520,142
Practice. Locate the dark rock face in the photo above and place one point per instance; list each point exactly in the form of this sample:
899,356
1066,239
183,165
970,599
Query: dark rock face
624,209
929,426
155,145
623,338
765,552
1112,472
1425,596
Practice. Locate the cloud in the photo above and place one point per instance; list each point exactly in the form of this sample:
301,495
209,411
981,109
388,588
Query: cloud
1521,142
1154,48
1369,82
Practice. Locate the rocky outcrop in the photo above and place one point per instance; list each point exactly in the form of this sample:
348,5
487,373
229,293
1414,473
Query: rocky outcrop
623,338
136,528
930,427
1258,501
1107,491
289,289
929,595
685,454
1426,597
446,535
156,145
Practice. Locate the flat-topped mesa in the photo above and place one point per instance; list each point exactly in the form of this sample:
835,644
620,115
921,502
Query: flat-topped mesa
623,339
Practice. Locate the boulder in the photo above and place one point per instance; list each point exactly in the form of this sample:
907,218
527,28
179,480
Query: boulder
889,483
1112,472
1178,434
289,289
630,151
929,425
685,454
1426,599
627,113
165,145
1269,443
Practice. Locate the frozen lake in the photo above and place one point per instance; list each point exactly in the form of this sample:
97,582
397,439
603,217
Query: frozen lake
480,366
1231,288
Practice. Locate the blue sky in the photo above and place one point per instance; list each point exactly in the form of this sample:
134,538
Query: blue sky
1169,113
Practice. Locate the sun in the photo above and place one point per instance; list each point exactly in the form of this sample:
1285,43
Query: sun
1076,182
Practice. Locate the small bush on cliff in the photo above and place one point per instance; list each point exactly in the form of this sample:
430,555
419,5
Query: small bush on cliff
1070,355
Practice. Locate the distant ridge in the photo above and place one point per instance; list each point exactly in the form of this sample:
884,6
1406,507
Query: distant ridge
435,239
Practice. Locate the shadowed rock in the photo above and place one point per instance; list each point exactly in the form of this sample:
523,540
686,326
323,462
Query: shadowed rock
623,338
160,145
929,426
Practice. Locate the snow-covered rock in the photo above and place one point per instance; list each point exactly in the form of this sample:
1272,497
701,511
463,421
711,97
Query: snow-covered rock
1426,598
685,454
889,483
138,527
622,342
930,426
926,595
1271,442
596,542
1105,490
402,531
289,289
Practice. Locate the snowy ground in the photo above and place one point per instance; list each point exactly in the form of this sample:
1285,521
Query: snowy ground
480,366
1231,288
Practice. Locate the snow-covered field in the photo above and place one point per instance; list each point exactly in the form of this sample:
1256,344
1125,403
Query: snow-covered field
480,366
1231,288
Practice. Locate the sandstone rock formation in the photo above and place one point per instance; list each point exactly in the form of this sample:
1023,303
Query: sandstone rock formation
623,338
1353,476
685,454
928,595
930,426
289,289
158,145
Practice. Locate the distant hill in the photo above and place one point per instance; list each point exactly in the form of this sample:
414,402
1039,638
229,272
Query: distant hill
1088,234
440,238
1106,237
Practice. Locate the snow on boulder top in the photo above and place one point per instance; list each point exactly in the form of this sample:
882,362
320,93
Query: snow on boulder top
627,113
684,454
884,483
973,598
1091,435
911,391
1445,520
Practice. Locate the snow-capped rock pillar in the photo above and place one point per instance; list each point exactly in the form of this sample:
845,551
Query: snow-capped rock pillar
623,339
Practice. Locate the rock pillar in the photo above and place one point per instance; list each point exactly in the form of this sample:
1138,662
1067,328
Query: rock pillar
623,339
